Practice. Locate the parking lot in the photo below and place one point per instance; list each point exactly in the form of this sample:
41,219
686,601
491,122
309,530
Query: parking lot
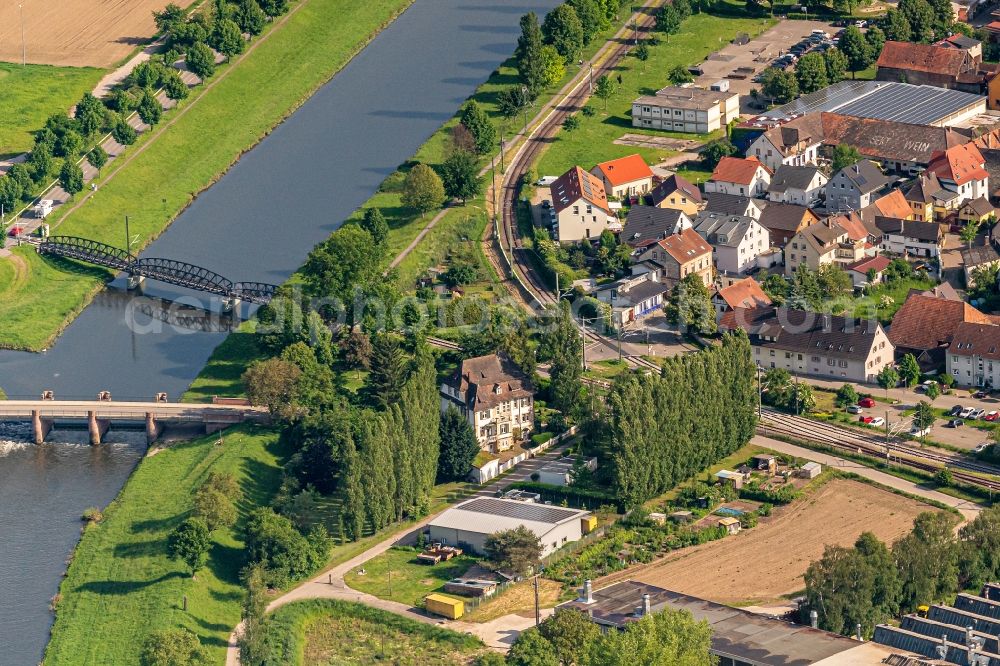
754,57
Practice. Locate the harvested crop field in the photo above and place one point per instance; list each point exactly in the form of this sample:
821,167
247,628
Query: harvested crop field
93,33
762,564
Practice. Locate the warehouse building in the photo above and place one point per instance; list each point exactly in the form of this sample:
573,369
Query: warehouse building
470,523
884,100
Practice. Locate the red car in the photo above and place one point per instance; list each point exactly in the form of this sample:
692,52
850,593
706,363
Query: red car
866,402
865,419
14,232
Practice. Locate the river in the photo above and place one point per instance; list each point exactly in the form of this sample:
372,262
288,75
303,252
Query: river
258,222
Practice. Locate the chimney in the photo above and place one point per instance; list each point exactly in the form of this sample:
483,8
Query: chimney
814,619
588,592
647,607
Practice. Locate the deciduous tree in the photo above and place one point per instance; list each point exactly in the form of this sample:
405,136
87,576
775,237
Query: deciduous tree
149,109
97,158
690,306
201,60
481,127
71,178
341,263
836,65
530,65
374,223
810,72
888,378
458,446
250,17
563,30
857,50
604,88
190,542
460,177
173,647
255,649
272,383
518,549
423,189
909,370
227,38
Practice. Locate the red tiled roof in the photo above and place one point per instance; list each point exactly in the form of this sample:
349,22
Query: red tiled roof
975,339
853,225
959,164
685,246
745,293
879,263
928,322
624,170
993,26
922,58
577,184
737,170
893,204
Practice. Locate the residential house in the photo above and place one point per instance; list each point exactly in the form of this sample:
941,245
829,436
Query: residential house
810,343
962,169
976,210
495,397
733,204
929,201
736,240
802,185
581,206
796,142
692,110
893,204
925,325
783,221
973,357
900,147
978,260
745,293
821,244
869,266
860,229
741,176
960,42
625,177
910,238
646,225
678,256
856,186
632,298
925,64
678,193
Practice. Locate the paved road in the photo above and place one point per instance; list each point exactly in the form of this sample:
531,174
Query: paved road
498,633
969,510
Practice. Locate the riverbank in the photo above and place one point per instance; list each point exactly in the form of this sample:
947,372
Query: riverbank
121,585
290,62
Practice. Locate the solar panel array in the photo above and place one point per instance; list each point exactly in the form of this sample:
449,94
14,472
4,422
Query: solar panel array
541,513
882,100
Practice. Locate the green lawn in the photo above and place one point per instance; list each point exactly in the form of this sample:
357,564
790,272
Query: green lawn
396,575
32,93
326,632
870,304
297,58
592,142
121,585
222,375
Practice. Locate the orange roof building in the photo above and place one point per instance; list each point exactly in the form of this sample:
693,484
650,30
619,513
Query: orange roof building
962,169
680,255
745,293
924,64
741,176
625,176
893,205
926,325
581,206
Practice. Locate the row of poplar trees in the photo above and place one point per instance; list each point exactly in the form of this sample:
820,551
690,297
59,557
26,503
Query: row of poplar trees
659,431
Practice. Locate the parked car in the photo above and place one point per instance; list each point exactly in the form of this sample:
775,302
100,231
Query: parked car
967,412
979,395
956,410
878,422
865,418
956,423
981,448
14,231
991,416
917,432
854,409
866,402
926,385
977,414
861,24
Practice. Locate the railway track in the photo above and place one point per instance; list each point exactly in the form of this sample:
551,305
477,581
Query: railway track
849,439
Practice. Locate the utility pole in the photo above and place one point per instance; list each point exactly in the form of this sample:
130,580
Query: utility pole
128,242
887,436
796,395
538,612
760,395
619,344
503,169
583,322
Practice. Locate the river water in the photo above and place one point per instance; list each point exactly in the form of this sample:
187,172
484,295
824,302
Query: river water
257,223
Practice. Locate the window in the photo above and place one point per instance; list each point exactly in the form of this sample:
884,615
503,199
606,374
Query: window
772,352
788,354
842,364
830,361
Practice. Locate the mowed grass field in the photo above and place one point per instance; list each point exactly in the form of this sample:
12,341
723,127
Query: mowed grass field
30,94
121,585
593,141
299,56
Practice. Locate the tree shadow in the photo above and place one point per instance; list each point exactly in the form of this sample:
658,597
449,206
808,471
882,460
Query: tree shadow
139,549
123,587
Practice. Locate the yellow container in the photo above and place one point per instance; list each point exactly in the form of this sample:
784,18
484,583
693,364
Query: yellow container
444,606
588,524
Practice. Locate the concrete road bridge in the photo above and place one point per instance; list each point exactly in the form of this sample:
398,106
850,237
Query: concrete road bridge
99,415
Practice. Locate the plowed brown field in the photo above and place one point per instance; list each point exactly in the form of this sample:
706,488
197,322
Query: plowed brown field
762,564
95,33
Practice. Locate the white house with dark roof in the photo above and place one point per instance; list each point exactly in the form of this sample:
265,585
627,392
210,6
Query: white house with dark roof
736,241
733,204
856,186
802,185
910,238
646,225
633,298
495,397
973,357
581,206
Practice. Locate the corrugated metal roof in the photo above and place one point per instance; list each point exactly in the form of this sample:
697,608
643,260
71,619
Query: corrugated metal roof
487,515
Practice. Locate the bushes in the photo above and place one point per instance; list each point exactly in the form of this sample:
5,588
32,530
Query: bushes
575,497
783,495
284,552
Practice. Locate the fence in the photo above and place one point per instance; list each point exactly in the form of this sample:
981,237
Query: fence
473,603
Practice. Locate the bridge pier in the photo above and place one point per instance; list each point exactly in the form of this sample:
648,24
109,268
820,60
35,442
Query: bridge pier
153,429
98,427
40,427
135,282
231,304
